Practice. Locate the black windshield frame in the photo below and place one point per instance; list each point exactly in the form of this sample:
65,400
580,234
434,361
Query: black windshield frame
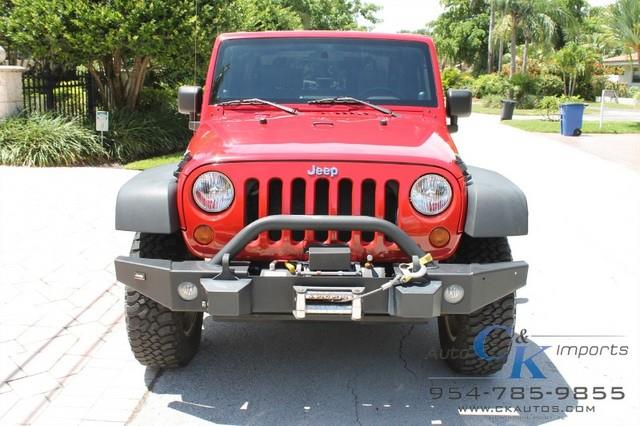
425,77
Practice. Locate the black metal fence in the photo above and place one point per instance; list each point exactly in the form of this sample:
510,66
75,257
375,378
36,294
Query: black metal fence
71,94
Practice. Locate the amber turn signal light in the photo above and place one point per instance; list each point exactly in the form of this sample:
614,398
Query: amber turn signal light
439,237
203,234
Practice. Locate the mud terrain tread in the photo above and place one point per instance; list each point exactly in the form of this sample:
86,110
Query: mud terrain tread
155,333
482,250
500,312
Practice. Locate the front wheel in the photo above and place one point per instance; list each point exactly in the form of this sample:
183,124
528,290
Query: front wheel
158,336
462,349
459,335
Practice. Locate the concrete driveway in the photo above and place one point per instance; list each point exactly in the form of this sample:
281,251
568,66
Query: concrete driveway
57,245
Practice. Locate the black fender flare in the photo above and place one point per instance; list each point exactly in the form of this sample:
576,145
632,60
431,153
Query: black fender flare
147,202
496,207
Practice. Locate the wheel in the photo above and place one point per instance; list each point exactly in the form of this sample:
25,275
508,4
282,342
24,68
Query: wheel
577,132
158,336
458,332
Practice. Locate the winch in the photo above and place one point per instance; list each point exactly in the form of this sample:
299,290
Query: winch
336,261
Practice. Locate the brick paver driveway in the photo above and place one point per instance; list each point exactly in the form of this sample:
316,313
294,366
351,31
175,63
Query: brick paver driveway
63,351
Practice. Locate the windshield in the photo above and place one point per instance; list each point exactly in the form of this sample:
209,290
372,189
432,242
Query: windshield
299,70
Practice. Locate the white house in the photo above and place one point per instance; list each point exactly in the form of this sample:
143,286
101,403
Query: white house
631,68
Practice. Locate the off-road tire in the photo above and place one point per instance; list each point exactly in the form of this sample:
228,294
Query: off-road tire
458,332
158,336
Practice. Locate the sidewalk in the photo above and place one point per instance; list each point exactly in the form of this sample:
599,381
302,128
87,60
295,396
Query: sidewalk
63,350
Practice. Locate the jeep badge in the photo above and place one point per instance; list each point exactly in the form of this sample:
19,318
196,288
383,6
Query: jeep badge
322,171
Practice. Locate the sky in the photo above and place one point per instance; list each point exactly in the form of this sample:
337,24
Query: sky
414,14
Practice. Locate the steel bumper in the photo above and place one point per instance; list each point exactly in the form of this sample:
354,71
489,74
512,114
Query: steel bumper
227,290
241,296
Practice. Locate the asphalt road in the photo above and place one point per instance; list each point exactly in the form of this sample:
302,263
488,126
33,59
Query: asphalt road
583,290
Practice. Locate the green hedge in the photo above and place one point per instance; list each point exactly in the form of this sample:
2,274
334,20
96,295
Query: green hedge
44,141
136,135
491,84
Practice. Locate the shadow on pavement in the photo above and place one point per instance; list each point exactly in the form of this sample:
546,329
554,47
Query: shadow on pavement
335,373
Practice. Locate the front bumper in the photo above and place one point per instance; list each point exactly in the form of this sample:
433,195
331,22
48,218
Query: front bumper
227,290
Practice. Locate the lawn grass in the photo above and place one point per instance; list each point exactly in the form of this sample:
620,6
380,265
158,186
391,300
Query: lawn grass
594,107
545,126
154,161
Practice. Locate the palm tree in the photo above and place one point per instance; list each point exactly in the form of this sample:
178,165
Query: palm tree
501,33
571,60
514,11
625,20
537,25
492,22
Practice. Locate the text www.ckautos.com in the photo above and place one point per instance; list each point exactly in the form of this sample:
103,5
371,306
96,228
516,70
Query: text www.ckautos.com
523,409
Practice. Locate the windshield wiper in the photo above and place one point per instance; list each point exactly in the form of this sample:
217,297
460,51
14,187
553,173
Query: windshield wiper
256,101
350,100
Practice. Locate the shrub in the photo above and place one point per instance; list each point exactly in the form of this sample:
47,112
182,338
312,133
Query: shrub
528,102
45,141
157,98
154,129
598,83
491,84
453,78
492,101
551,106
523,85
549,85
135,135
621,88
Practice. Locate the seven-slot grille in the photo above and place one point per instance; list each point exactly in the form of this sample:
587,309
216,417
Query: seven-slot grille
321,196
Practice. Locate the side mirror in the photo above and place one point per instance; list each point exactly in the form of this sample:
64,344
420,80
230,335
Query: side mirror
189,99
189,103
458,105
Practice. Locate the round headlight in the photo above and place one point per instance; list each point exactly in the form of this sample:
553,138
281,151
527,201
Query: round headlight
213,192
431,194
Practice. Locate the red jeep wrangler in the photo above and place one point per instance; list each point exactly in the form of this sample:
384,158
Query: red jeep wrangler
322,183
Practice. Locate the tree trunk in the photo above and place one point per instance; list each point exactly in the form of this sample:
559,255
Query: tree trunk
570,85
135,81
104,97
492,18
514,34
117,87
500,55
524,55
113,82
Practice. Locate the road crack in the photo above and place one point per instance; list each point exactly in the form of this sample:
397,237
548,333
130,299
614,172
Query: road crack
401,350
355,398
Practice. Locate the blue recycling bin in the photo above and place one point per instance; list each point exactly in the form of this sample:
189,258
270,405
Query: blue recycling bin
571,119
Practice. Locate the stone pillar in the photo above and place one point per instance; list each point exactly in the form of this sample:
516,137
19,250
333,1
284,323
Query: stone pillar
10,90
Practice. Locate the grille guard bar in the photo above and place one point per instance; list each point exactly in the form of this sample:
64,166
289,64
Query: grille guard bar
317,223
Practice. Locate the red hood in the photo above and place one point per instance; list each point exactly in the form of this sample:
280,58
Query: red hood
332,135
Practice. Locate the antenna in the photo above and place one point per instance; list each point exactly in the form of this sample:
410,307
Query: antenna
195,47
